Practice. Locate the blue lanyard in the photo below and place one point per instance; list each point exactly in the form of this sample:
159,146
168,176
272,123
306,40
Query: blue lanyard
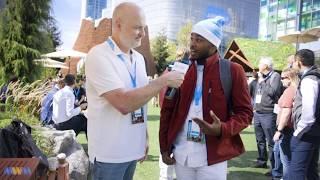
77,91
133,76
197,95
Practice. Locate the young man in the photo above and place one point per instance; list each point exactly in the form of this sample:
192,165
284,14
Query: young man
65,115
117,91
306,117
198,132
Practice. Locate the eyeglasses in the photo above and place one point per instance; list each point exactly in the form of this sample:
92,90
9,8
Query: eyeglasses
282,78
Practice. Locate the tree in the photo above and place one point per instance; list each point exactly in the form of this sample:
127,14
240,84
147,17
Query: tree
23,36
183,37
172,50
54,32
160,51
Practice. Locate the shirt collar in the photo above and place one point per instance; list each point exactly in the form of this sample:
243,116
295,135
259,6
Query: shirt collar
115,47
69,88
306,70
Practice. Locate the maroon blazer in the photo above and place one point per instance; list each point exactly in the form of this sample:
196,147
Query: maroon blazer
174,112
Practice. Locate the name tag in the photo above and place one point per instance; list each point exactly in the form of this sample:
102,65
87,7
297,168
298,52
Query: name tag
194,134
276,109
258,98
137,116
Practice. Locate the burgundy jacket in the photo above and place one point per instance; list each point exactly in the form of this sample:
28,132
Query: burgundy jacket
174,112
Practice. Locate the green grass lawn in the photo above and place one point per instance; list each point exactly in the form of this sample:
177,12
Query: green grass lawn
238,168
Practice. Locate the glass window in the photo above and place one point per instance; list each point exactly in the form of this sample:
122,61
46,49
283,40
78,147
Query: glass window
316,4
263,2
292,8
291,24
306,5
316,19
305,21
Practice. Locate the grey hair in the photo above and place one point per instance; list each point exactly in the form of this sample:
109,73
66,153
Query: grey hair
267,61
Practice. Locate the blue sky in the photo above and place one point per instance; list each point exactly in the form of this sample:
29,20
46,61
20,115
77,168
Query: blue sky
67,13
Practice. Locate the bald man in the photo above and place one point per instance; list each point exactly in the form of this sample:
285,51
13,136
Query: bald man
118,91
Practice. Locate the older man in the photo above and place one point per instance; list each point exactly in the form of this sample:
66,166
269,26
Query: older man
267,93
198,132
117,91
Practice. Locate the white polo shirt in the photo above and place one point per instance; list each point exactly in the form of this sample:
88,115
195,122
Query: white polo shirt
112,137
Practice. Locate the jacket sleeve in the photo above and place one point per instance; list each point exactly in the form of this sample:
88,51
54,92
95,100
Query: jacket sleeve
165,117
241,104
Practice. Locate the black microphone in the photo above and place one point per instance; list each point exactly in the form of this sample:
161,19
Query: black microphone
172,91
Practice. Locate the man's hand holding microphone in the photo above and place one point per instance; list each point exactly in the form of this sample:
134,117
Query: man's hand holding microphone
178,70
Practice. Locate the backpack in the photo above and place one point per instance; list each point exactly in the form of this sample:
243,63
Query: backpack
16,142
226,80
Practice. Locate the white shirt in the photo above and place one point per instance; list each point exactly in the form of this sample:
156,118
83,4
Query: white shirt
189,153
63,105
112,137
309,91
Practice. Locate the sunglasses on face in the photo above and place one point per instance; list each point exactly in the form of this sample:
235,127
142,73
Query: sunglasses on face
285,77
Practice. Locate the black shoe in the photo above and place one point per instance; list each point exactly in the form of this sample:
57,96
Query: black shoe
260,166
269,173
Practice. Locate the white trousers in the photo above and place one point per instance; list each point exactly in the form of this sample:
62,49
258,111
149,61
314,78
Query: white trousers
213,172
166,172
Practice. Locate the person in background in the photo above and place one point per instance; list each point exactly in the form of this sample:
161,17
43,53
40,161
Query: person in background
267,94
47,103
4,91
290,61
65,115
253,85
282,137
79,92
306,117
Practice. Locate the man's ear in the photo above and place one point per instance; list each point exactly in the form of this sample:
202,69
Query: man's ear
118,23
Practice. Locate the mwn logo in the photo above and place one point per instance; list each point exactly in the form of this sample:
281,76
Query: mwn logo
9,171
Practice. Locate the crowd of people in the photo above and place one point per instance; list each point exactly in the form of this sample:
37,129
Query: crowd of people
200,124
286,117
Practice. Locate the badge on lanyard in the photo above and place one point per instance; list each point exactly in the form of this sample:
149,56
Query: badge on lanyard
194,133
137,116
258,96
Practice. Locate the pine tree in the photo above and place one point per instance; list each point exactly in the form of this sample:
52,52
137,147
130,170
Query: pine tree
160,51
23,36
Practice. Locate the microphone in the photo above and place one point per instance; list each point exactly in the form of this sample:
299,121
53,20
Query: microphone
182,67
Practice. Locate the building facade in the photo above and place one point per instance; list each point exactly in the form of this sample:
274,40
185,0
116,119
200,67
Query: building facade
280,17
93,8
170,15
